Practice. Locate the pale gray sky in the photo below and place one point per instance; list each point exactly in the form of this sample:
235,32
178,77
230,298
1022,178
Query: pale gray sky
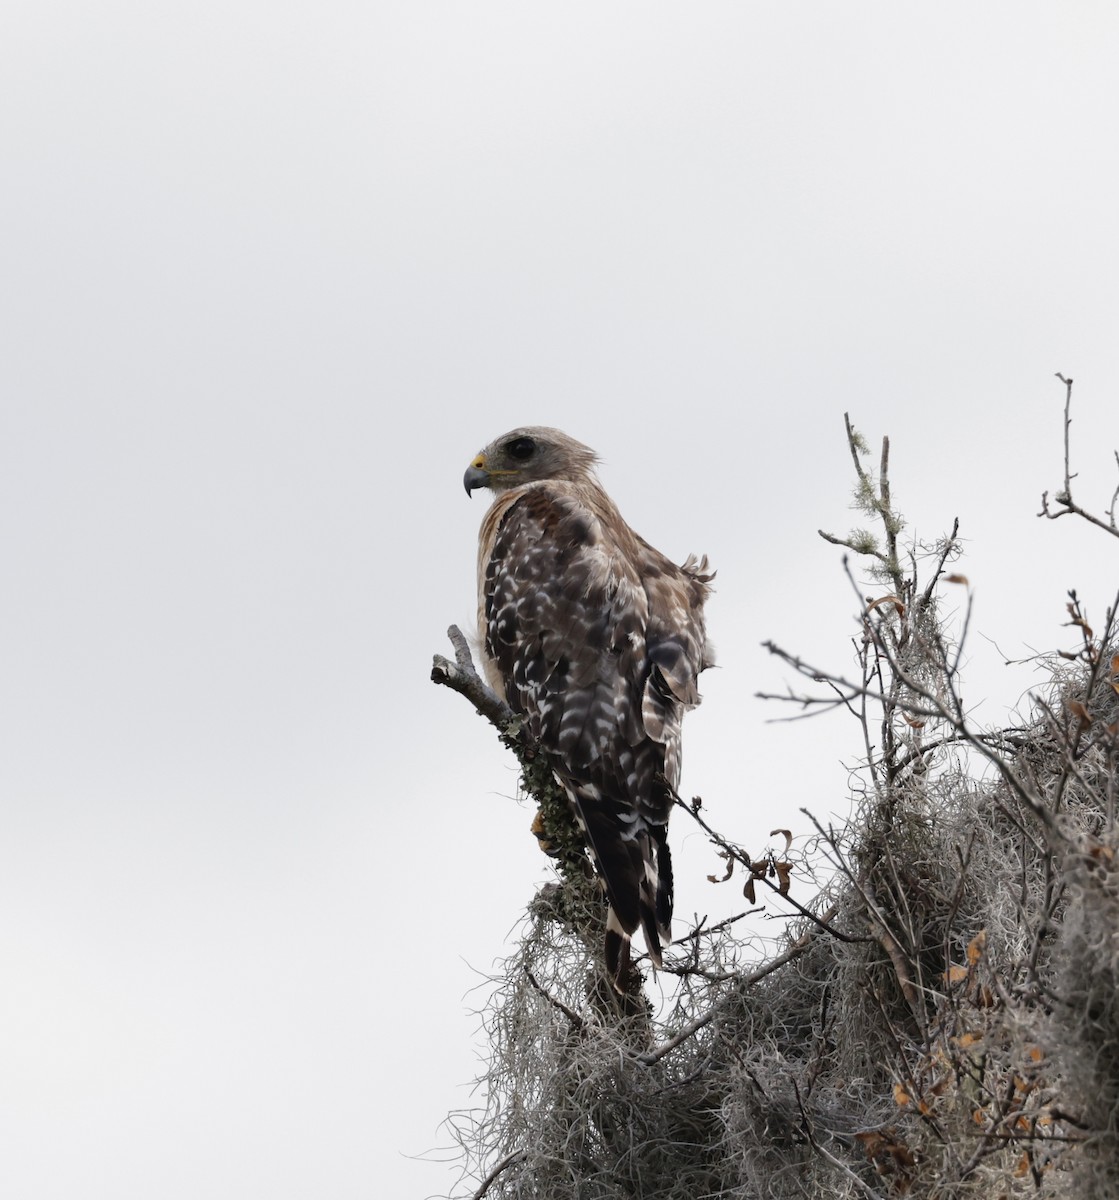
270,274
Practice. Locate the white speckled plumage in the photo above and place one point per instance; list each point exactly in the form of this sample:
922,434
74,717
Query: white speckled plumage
596,639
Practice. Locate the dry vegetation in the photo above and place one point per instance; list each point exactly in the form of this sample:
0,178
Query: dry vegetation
943,1019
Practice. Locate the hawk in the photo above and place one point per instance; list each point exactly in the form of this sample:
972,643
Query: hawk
596,640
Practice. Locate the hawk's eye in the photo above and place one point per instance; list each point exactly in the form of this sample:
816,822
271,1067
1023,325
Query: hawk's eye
521,448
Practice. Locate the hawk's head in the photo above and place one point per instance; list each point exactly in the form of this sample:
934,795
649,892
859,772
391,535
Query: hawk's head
526,455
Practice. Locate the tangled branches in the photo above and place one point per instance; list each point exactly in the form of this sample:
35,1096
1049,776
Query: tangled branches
943,1018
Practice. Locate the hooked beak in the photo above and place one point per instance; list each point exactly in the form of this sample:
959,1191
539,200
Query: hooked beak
475,477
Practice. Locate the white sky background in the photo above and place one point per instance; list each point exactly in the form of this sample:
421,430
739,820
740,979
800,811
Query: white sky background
270,275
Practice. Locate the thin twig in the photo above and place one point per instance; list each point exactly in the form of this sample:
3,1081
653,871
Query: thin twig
569,1013
1064,497
491,1178
794,951
827,1156
740,856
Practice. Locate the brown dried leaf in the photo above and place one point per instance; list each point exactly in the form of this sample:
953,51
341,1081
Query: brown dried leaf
1115,672
898,606
1078,620
955,974
872,1142
788,837
1079,712
542,839
976,946
902,1098
902,1155
748,891
956,579
729,860
1023,1167
783,870
1104,855
882,1144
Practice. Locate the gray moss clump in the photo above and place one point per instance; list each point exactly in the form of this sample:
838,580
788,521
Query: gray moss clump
951,1029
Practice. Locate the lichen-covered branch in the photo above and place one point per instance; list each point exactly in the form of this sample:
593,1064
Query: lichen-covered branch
462,676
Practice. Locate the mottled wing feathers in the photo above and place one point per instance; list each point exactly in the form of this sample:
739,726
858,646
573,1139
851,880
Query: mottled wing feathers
597,639
566,637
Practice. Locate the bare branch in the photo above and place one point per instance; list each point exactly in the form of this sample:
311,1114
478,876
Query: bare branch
568,1012
508,1161
1064,497
462,676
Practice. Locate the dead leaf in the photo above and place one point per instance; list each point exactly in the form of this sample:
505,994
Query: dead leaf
788,837
902,1155
1079,712
956,579
1078,620
955,974
940,1086
872,1142
902,1098
1104,855
783,870
748,891
540,833
976,946
1023,1167
882,1146
729,860
898,606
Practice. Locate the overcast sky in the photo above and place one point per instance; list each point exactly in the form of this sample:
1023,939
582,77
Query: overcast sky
271,274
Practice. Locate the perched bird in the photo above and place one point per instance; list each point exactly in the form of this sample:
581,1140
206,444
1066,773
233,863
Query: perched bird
596,640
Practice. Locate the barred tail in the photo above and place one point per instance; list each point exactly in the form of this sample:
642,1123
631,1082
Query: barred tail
652,910
632,858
